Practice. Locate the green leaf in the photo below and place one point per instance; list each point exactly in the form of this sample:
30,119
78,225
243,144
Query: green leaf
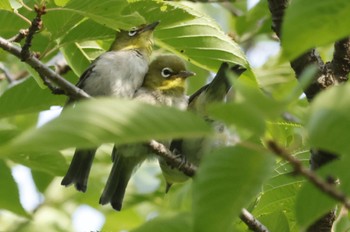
311,196
239,114
329,115
276,221
5,5
314,23
52,163
88,30
109,13
181,222
201,42
9,197
27,97
225,183
59,23
77,56
41,180
13,24
104,120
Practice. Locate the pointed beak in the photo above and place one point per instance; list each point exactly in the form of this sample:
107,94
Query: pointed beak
149,27
185,74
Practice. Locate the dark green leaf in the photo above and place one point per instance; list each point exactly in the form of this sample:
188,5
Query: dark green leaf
225,183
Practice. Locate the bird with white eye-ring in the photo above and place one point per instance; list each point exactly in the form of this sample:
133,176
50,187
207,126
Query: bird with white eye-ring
132,32
166,72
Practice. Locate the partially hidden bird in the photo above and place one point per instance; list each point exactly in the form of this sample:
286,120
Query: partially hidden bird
192,149
164,84
118,72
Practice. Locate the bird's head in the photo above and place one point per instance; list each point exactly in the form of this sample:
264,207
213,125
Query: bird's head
168,74
140,38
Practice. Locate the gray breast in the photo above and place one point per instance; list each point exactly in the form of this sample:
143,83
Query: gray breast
116,73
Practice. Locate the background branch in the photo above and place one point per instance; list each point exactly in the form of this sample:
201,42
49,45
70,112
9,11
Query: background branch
317,181
68,88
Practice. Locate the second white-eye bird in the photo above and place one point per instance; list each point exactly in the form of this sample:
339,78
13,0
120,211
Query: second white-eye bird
164,84
119,72
192,150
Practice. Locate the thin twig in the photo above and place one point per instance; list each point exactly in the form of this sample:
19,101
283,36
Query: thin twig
174,160
316,180
252,223
70,90
34,27
21,35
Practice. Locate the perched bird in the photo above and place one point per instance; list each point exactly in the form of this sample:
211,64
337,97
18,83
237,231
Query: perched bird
192,150
164,84
118,72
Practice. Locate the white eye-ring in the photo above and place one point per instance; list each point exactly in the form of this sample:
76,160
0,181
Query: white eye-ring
166,72
132,31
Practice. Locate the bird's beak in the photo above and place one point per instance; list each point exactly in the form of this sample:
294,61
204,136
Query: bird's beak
149,27
185,74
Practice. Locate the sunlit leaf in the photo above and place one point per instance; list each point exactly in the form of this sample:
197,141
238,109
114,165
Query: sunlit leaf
98,121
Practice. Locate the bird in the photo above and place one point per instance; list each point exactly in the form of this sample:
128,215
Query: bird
192,149
164,84
119,72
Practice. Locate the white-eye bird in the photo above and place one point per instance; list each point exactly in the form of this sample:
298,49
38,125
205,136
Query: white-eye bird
193,149
164,84
119,72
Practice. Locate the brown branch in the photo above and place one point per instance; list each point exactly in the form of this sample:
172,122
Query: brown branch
252,223
34,27
316,180
69,89
175,160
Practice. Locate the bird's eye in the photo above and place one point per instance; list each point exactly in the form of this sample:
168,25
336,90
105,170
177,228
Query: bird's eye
132,31
166,72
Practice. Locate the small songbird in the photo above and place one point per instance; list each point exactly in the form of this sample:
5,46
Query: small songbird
192,150
164,84
118,72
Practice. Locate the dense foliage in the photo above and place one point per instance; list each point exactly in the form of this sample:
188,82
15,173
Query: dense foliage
267,104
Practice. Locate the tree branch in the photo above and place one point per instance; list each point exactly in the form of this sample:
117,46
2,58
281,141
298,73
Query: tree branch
175,160
34,27
252,223
69,89
316,180
341,59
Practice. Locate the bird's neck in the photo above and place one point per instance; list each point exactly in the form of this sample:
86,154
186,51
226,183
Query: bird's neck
146,51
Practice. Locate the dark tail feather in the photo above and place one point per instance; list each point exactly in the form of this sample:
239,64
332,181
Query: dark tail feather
79,169
113,179
119,177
